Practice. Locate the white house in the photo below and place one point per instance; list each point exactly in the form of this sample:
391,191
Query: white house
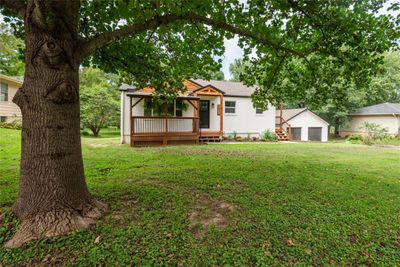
304,124
207,111
387,115
8,110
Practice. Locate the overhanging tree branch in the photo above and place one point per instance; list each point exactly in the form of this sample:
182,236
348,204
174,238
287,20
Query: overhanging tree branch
105,39
16,6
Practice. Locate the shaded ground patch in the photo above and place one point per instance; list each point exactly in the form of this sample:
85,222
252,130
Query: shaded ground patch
208,212
211,152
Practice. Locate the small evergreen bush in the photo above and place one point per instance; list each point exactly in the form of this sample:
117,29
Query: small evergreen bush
374,132
11,125
355,138
85,133
268,136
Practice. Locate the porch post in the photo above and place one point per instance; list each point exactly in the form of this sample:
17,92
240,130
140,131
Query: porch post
221,114
165,139
130,106
198,117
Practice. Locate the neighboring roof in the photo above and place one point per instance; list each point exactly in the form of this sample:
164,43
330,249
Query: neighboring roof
288,114
228,87
380,109
11,79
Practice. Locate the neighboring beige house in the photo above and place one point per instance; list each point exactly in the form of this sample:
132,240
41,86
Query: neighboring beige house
8,110
304,124
387,115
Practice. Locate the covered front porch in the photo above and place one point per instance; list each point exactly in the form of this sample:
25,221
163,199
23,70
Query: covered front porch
188,120
167,124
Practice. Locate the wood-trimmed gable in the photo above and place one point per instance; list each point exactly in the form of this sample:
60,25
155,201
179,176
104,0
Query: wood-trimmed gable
208,90
191,85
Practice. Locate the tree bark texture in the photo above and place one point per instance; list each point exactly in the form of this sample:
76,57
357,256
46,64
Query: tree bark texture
53,197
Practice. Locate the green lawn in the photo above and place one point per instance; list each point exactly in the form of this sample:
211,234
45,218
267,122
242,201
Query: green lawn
273,204
104,133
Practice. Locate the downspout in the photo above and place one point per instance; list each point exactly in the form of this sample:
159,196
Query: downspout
122,117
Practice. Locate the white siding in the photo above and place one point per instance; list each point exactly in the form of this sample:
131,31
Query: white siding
309,119
390,122
245,121
8,108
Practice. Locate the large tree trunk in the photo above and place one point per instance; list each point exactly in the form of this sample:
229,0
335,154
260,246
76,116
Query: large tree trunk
53,197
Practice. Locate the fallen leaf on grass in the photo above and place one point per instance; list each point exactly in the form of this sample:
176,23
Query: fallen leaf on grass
97,240
365,254
290,242
46,258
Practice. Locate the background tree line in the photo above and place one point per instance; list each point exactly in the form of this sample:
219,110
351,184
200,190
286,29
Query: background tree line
99,95
346,97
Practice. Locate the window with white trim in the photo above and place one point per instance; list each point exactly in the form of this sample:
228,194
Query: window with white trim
259,111
179,106
230,107
3,92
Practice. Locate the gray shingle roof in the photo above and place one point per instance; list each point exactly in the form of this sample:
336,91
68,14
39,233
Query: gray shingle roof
287,114
380,109
228,87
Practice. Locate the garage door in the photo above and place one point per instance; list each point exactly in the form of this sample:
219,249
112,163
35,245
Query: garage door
296,133
314,133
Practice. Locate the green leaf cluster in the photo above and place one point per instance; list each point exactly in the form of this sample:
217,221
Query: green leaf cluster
11,51
99,99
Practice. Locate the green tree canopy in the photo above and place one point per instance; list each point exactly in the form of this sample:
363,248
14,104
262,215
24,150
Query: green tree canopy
345,95
99,100
11,60
214,75
385,86
162,43
238,68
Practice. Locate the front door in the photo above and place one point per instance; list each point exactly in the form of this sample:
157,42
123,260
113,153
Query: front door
205,114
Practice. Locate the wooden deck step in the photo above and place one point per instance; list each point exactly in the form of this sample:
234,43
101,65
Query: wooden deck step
281,135
210,139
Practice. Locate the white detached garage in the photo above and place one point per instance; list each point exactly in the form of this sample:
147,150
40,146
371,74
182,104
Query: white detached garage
305,125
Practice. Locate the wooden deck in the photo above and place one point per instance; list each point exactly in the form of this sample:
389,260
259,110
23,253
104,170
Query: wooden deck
158,131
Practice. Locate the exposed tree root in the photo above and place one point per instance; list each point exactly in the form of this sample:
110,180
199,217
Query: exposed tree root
56,223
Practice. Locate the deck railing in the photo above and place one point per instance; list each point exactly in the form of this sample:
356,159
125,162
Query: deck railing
163,125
